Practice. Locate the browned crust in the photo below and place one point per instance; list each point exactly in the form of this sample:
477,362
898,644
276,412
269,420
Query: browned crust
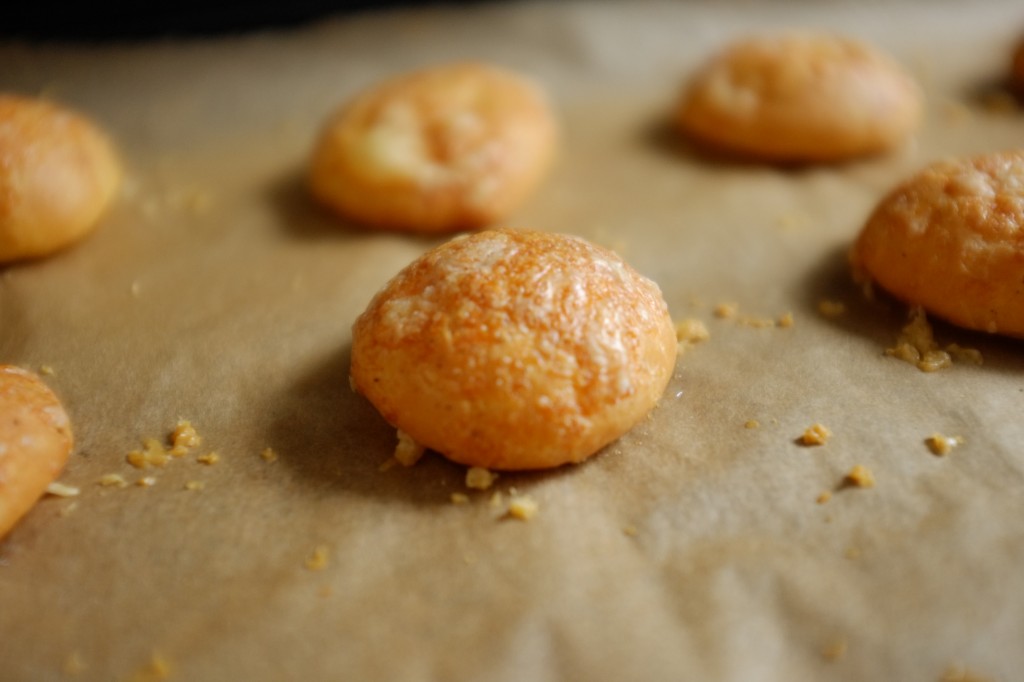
951,239
35,440
515,349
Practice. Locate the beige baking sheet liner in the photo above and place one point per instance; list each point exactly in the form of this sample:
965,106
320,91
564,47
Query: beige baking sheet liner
693,548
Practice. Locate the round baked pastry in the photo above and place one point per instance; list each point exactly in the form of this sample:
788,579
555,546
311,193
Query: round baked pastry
800,98
448,148
35,440
951,239
58,173
515,349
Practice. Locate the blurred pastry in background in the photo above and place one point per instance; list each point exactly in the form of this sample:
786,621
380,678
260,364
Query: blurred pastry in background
800,97
58,174
951,239
447,148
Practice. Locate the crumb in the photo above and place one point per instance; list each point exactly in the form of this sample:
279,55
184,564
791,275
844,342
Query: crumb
630,530
61,490
942,445
387,465
317,561
916,345
74,665
184,438
834,650
408,451
522,507
751,424
194,485
726,310
46,370
157,669
962,354
757,322
112,481
151,454
479,478
209,458
815,434
691,331
459,498
268,455
136,289
861,477
823,497
786,320
496,499
852,553
146,482
830,308
958,673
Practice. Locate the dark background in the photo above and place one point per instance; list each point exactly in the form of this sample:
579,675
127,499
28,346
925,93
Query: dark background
46,20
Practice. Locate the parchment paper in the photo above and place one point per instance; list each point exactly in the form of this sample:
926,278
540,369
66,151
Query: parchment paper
692,548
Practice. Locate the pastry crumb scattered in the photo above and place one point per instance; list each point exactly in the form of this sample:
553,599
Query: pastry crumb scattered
194,485
691,331
459,498
751,424
158,668
815,434
941,445
823,497
861,477
831,309
146,482
834,650
46,370
317,561
408,451
852,553
786,320
916,345
479,478
62,490
630,530
496,499
112,481
268,455
726,311
522,507
962,354
151,454
184,438
209,458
